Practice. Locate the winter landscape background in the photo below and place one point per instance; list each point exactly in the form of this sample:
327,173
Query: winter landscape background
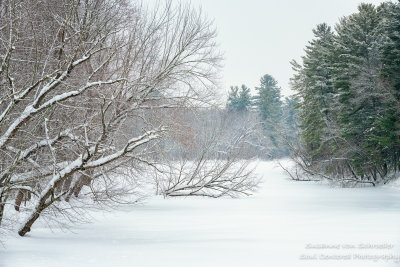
280,225
121,143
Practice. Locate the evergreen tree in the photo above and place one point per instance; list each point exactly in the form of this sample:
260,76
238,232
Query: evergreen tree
391,45
364,114
316,92
268,101
389,126
349,91
290,113
290,121
239,99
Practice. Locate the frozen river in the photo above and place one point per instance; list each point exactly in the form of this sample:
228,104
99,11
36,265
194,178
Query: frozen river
285,223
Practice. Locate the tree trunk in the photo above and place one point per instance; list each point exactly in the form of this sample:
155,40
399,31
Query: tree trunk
2,205
28,224
34,216
3,199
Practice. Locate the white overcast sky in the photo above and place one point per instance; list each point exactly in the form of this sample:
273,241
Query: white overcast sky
262,36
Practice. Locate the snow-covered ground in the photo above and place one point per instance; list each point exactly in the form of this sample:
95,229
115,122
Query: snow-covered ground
286,223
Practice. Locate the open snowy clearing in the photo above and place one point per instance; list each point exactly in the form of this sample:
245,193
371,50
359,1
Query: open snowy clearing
285,223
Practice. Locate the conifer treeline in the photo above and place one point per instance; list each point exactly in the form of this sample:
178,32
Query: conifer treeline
277,117
348,86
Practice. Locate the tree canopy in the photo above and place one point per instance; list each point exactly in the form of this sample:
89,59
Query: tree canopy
348,86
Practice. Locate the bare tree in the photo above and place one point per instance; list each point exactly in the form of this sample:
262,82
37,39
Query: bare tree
212,159
78,81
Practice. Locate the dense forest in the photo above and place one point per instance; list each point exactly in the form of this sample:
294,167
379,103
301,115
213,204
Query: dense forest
348,88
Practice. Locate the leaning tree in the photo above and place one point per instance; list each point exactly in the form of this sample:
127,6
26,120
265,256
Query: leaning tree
85,85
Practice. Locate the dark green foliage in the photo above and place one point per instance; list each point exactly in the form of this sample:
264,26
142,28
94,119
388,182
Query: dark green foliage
349,88
290,113
269,105
239,99
316,90
391,48
268,99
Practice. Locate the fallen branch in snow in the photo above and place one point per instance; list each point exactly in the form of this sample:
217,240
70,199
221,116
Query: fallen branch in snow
296,176
218,169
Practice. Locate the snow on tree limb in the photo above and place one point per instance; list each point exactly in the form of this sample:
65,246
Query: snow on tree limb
93,104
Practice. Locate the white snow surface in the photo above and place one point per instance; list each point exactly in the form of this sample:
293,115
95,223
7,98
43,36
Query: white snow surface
280,225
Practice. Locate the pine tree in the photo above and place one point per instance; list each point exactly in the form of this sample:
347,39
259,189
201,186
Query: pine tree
389,138
391,46
349,91
316,92
269,104
363,113
268,99
290,122
239,99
